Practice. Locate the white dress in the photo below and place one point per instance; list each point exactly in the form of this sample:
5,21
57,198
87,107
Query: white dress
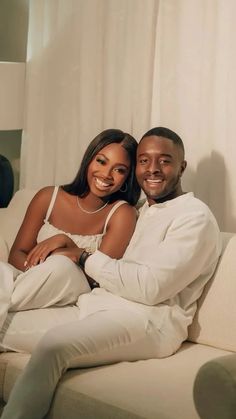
56,282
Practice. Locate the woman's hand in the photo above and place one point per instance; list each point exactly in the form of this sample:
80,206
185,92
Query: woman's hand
43,249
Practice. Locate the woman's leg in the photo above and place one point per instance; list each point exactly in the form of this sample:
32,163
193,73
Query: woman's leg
102,338
57,281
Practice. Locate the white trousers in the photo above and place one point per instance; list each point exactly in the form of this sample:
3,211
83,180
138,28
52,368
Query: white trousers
101,338
56,282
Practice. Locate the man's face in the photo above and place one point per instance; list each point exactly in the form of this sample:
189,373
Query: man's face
159,168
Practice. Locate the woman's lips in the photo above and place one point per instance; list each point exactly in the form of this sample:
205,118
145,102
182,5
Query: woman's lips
102,184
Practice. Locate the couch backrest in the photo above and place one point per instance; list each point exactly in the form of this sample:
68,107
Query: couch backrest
12,216
214,322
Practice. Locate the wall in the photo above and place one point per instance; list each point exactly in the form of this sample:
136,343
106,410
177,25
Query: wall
13,46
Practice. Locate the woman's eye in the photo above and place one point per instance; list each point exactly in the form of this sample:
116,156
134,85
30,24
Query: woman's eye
99,160
121,170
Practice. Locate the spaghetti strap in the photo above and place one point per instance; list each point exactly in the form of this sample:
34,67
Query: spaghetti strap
114,208
54,195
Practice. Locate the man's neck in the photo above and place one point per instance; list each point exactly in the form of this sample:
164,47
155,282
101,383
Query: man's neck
169,197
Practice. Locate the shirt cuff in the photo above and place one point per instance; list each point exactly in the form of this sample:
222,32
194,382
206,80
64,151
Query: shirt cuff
94,265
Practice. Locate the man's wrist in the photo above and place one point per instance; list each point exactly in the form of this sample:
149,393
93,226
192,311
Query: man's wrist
83,257
81,263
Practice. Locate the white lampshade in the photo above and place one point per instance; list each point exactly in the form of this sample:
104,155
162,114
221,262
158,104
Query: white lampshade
12,83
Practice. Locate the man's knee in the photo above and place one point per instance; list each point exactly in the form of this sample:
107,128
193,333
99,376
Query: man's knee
50,345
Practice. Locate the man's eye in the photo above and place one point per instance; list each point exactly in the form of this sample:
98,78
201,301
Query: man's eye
163,161
143,161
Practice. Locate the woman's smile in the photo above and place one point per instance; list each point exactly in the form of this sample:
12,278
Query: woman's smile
102,184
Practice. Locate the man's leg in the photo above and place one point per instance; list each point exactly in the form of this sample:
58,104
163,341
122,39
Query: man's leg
102,338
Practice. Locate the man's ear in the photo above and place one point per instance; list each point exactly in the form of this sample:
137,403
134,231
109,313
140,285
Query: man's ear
183,167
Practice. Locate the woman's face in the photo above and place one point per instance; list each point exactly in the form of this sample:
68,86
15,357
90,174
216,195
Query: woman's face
108,170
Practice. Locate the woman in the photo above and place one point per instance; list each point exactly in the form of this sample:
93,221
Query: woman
94,211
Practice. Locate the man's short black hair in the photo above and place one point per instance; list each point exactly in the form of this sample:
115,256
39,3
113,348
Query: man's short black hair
165,133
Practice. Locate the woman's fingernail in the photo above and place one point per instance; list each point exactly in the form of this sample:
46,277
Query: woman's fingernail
25,263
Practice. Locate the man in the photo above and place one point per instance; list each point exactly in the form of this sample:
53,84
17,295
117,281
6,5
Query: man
174,249
147,299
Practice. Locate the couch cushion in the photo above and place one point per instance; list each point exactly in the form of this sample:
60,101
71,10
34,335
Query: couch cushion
216,315
156,388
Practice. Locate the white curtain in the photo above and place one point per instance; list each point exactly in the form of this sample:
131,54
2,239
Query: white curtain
133,64
89,68
195,94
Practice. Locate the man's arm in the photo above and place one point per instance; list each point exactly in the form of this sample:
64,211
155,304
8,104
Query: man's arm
190,248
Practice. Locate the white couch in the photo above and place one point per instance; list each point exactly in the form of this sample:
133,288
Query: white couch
154,389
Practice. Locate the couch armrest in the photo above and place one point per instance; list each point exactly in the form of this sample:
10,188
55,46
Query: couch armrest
12,216
4,251
215,388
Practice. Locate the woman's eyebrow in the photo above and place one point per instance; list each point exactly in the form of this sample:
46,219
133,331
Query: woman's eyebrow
117,164
101,154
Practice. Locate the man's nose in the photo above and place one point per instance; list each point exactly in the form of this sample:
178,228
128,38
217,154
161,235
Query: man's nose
154,166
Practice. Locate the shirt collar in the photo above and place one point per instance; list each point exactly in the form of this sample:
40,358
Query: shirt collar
170,203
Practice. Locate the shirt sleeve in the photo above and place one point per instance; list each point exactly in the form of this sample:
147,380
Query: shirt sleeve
190,249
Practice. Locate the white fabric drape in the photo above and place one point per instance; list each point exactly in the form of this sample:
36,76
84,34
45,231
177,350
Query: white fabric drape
133,64
194,93
89,68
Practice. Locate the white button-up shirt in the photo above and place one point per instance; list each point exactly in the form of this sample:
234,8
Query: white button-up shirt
171,256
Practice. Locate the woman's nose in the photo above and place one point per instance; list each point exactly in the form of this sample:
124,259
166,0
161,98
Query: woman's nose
107,171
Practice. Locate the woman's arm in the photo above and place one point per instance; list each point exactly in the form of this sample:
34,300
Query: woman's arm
119,231
42,250
27,234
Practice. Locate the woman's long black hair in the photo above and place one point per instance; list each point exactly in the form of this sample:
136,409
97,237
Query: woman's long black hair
80,186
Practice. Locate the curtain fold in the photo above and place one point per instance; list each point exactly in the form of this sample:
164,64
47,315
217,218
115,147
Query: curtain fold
195,94
133,64
89,68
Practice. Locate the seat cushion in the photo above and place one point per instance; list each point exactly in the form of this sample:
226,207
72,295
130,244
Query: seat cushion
156,388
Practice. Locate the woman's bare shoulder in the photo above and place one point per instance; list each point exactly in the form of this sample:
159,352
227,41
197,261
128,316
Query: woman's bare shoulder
43,195
125,212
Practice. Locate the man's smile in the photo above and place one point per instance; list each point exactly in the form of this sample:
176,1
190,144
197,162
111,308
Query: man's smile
154,181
